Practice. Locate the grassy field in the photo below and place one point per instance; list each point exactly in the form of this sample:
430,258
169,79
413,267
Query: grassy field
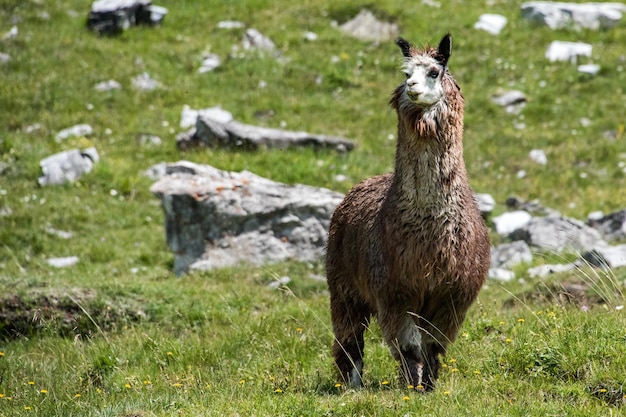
119,335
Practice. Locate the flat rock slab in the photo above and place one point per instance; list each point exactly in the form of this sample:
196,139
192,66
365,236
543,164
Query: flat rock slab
216,218
216,128
558,234
67,166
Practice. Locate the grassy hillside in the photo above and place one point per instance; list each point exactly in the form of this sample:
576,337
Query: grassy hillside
119,335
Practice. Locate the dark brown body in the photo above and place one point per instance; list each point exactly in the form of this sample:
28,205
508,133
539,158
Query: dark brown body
409,247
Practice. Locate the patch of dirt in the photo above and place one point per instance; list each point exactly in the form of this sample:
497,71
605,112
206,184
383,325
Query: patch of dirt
65,312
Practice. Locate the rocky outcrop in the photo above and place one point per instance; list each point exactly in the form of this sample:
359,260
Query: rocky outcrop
216,218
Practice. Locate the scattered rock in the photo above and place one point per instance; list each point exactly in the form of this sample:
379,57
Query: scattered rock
513,101
230,24
605,256
560,15
11,34
4,58
76,130
279,282
111,17
501,274
67,166
568,51
508,222
157,171
146,139
217,218
367,27
189,116
591,69
59,233
486,203
144,82
539,156
108,85
508,255
310,36
255,40
209,63
612,226
63,262
542,271
492,23
559,234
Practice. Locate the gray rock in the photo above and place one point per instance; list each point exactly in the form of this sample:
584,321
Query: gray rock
542,271
367,27
59,233
605,256
4,58
146,139
63,262
189,116
76,130
492,23
558,234
255,40
560,15
568,51
501,274
144,82
157,171
508,255
67,166
279,282
539,156
591,69
486,203
111,17
510,221
612,226
215,218
230,24
209,63
11,34
216,128
513,101
108,85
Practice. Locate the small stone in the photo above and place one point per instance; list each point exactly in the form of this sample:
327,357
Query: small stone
76,130
591,69
4,58
511,221
144,82
108,85
209,63
310,36
545,270
568,51
230,24
500,274
513,101
62,262
538,156
492,23
280,282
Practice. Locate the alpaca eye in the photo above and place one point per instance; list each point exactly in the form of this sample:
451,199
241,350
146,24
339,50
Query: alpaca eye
433,73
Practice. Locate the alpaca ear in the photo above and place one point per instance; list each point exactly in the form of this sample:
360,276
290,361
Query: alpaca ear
444,50
405,46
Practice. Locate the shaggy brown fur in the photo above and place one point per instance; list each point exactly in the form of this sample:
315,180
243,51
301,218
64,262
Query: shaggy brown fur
409,247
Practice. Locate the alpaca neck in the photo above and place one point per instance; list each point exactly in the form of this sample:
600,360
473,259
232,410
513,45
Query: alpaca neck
429,174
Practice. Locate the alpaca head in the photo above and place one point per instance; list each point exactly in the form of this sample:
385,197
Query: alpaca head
424,72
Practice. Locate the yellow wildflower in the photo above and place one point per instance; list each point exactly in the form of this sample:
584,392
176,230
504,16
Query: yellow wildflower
31,382
44,391
77,396
177,385
278,390
406,398
127,385
27,407
337,385
385,382
446,393
520,320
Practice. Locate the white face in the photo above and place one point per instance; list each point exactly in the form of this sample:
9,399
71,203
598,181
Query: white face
423,80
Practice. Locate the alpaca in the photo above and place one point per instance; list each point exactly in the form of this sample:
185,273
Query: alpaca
410,247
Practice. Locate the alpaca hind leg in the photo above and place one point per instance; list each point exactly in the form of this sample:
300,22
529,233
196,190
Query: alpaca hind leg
350,319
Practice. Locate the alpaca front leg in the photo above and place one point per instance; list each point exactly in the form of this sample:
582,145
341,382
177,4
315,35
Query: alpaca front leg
405,341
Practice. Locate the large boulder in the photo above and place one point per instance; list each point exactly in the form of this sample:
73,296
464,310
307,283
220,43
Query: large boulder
558,234
217,218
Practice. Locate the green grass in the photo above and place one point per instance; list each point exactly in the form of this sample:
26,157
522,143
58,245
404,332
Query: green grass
119,335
